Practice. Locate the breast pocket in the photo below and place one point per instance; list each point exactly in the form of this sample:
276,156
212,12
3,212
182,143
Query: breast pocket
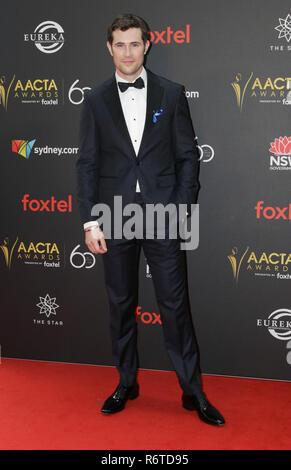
165,119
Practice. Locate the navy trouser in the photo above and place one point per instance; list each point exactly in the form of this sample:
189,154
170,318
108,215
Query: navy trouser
168,269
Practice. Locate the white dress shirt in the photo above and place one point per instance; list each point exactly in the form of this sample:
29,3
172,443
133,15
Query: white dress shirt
133,102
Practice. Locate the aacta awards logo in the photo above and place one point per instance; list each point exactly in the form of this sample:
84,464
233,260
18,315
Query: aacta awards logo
46,254
7,248
43,91
280,149
236,260
240,88
261,89
278,324
5,87
262,264
48,37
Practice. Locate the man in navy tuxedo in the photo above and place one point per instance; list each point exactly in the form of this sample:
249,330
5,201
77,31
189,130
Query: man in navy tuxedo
137,141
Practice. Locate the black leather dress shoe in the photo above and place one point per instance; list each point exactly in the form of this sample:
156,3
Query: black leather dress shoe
119,397
206,411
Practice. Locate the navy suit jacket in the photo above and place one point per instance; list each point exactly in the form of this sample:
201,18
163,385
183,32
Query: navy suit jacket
168,159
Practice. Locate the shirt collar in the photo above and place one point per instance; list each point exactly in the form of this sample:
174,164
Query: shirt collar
143,75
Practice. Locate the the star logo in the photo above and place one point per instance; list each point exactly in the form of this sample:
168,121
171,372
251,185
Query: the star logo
284,28
47,305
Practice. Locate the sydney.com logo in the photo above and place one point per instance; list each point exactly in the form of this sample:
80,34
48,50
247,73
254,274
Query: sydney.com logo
26,147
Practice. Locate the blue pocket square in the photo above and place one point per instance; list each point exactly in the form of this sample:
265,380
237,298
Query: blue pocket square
156,114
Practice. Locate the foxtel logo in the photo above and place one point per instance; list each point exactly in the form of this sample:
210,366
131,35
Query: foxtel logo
147,317
166,36
270,212
50,205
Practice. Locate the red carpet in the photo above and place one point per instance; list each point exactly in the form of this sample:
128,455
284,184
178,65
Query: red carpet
48,405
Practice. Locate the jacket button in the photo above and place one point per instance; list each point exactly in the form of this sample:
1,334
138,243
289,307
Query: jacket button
137,162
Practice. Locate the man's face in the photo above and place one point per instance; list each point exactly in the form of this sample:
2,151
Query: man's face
128,51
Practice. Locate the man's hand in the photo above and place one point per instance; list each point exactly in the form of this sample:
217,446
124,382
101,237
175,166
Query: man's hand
95,241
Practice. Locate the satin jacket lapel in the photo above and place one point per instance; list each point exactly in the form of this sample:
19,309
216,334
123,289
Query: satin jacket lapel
154,99
111,98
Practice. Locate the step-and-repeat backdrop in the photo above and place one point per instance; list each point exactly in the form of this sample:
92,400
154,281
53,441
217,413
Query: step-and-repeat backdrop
233,56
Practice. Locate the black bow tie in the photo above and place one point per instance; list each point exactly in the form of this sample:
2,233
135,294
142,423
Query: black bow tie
139,83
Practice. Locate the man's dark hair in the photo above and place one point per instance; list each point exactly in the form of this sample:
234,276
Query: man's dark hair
126,21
